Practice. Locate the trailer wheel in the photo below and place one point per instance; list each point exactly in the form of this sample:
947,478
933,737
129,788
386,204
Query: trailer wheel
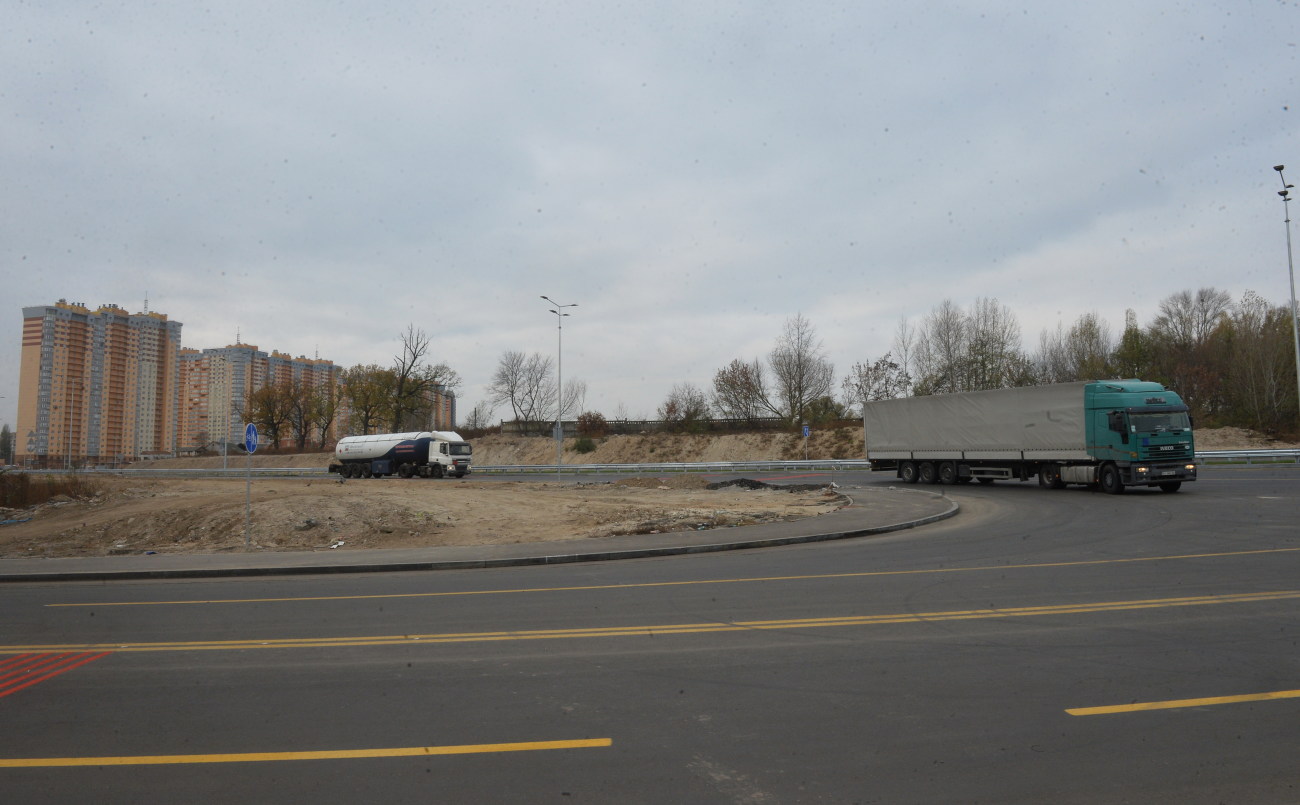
907,471
947,473
352,470
1110,481
1171,486
367,471
928,475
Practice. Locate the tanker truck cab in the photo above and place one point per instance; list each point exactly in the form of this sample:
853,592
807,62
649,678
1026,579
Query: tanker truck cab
453,453
1141,435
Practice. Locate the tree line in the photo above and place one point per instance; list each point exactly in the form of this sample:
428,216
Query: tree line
394,398
1233,361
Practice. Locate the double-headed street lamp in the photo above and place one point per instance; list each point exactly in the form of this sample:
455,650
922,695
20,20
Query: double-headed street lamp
559,379
1285,193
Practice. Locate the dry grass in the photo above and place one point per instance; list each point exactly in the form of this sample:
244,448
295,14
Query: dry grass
18,490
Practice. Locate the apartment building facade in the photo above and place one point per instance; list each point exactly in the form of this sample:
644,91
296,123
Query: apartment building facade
216,385
96,386
106,387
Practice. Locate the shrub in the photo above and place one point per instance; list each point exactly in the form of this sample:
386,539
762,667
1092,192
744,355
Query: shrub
584,445
593,424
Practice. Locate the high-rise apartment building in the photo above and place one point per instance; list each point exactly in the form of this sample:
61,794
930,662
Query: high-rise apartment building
216,385
96,386
106,386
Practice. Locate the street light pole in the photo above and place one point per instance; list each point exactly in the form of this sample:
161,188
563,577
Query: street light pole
1285,193
559,379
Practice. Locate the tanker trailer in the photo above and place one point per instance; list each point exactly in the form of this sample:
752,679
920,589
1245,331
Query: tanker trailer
424,454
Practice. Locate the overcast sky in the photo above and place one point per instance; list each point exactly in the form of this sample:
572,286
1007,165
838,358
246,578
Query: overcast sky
317,176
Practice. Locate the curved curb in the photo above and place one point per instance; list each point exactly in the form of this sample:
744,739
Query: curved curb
471,564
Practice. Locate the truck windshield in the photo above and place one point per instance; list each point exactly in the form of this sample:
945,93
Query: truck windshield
1160,422
460,449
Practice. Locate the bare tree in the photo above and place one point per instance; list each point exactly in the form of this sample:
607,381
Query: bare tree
939,350
953,351
740,392
415,381
481,416
525,382
801,373
685,407
1186,320
883,379
993,348
325,408
299,402
575,397
1083,353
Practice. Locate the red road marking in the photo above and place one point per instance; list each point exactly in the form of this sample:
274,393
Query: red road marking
26,670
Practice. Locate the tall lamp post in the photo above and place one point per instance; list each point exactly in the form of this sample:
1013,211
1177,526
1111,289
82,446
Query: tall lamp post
1285,193
559,379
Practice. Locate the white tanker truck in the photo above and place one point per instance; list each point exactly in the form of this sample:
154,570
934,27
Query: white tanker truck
427,454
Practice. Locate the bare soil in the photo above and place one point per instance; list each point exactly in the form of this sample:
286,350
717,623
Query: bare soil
129,516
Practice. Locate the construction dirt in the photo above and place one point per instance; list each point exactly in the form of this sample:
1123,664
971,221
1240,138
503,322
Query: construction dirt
133,516
117,515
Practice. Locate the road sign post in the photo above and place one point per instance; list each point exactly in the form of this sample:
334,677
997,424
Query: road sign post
250,446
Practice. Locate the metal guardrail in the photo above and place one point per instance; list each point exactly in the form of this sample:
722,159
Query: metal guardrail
1249,457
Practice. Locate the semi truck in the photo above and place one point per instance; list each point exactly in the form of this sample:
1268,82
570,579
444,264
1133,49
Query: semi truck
1109,434
423,454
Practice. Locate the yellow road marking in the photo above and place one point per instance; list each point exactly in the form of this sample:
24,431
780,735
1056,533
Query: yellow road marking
657,630
337,754
813,577
1180,703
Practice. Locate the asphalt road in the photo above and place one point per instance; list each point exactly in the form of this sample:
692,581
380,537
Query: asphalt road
1043,646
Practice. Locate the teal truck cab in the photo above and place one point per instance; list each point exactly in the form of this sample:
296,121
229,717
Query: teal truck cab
1140,434
1111,434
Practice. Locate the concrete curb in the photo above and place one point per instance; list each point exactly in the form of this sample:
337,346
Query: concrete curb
361,566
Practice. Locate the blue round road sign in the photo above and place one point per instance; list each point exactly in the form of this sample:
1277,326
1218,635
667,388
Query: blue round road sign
250,437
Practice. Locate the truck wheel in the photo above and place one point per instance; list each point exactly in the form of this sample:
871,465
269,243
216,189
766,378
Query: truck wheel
1171,486
947,473
1050,477
404,470
907,471
436,469
1110,481
927,473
